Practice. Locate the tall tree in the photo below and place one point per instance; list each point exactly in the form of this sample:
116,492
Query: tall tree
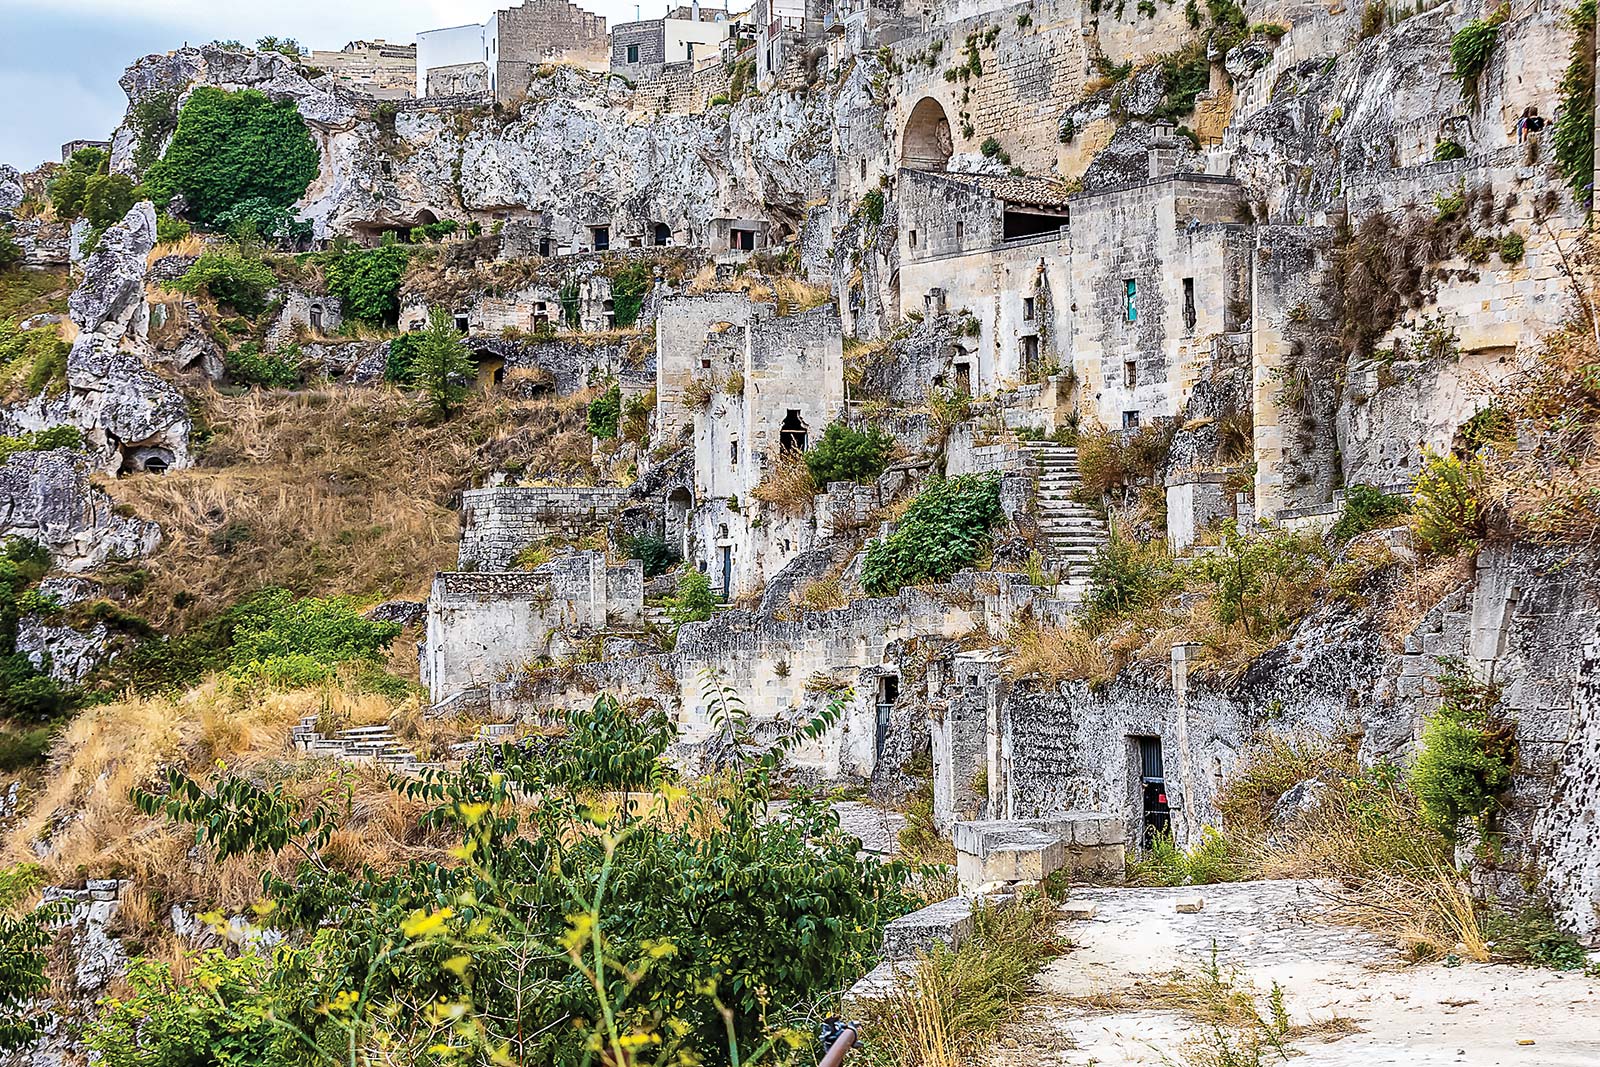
442,370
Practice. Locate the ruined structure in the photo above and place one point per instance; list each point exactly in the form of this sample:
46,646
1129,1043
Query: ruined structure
499,57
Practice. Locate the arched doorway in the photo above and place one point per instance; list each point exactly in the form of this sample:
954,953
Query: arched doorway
792,434
927,143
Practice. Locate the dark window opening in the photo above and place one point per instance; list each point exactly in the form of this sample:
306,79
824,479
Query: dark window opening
911,238
964,378
155,465
1188,304
888,693
1130,420
792,434
663,234
1027,309
387,167
1015,224
316,318
742,240
733,452
1130,373
1030,354
602,237
961,232
462,325
544,246
633,53
610,309
541,315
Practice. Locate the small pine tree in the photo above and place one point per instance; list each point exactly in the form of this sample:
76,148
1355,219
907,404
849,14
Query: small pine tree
442,370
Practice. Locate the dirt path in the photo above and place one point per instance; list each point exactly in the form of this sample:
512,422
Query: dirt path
1094,1004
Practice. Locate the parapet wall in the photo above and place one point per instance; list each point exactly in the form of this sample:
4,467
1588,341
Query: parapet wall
501,521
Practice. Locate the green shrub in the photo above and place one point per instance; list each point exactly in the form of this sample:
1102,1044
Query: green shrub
1209,860
1264,583
1447,150
367,281
215,1007
654,552
1186,74
1511,248
248,365
27,693
291,641
433,231
1366,508
231,147
604,413
260,217
945,529
400,364
1471,48
170,230
1573,133
24,1008
152,119
872,204
1530,935
34,359
1468,752
693,601
629,286
1488,426
846,454
40,441
1446,510
1127,575
231,277
990,147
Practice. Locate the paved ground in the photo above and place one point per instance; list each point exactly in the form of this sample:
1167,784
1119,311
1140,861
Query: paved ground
1472,1015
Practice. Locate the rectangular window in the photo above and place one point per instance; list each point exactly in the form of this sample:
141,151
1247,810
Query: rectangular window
1030,353
733,452
1130,420
1027,309
1130,373
544,246
1188,304
742,240
633,53
911,237
961,232
691,51
1131,290
602,237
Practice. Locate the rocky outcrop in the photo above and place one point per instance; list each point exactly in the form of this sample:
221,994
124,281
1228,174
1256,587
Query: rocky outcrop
46,497
125,410
52,644
11,191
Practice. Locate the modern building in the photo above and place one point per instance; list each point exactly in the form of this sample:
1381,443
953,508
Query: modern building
688,34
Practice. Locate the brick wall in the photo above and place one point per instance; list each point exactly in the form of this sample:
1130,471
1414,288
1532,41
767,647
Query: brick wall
501,521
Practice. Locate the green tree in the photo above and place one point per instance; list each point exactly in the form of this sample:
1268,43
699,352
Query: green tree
287,46
442,370
231,147
693,601
66,189
260,217
1468,752
604,413
1262,583
231,276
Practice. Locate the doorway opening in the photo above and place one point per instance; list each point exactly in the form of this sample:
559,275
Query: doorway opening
1155,814
792,434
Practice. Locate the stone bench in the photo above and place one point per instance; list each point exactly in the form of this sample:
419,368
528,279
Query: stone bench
1025,850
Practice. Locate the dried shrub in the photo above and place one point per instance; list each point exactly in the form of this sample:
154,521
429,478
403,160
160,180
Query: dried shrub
789,485
1057,654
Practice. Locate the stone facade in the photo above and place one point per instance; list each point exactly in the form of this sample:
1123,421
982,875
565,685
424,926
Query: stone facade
373,68
499,522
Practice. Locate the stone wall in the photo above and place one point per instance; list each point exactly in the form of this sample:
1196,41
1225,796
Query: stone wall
537,32
499,522
481,626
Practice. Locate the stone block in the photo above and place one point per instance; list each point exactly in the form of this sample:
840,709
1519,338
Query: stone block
1191,905
1078,910
877,984
949,922
1006,851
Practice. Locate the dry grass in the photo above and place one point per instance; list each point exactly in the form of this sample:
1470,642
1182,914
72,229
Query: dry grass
788,486
1419,591
190,245
824,594
1056,654
332,491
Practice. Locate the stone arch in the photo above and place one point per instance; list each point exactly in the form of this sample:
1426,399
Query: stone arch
927,142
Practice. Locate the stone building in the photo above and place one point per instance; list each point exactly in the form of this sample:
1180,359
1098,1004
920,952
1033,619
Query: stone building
372,68
687,34
501,55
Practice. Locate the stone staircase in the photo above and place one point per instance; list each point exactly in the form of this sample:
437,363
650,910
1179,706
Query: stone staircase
375,745
1070,533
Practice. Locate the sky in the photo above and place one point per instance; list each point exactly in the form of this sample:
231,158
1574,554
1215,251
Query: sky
60,59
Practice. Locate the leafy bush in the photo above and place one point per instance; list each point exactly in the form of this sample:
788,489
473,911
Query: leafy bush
872,204
1471,48
1446,509
26,693
232,147
654,552
400,365
291,641
945,529
248,365
260,217
86,189
629,285
846,454
170,230
1573,134
990,147
232,277
1366,508
1468,752
24,940
604,413
1186,74
1511,247
433,231
1262,584
1447,150
1126,575
693,601
367,281
215,1007
684,924
442,370
1209,860
1530,935
40,441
